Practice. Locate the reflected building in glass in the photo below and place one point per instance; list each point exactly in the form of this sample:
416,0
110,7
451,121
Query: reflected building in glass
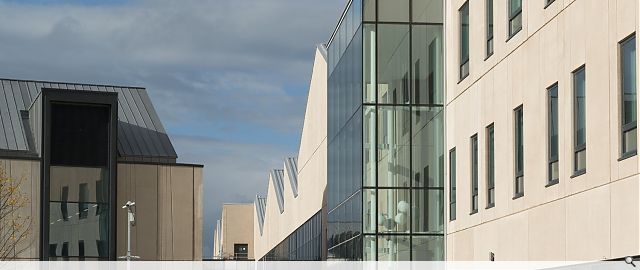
81,151
385,178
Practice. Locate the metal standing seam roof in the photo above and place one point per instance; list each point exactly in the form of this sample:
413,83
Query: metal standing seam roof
140,131
291,165
261,206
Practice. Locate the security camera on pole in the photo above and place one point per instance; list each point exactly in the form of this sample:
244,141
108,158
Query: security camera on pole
131,221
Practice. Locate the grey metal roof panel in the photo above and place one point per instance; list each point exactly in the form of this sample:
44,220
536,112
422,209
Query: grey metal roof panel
140,131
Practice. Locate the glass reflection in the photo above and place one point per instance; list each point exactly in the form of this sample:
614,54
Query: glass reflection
393,211
393,146
394,248
393,63
428,147
427,62
428,248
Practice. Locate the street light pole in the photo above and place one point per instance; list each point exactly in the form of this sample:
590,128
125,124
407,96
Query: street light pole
131,221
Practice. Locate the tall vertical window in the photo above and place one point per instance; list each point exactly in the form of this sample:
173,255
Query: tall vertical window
491,168
628,95
474,174
452,184
464,40
552,136
579,122
489,14
515,17
519,152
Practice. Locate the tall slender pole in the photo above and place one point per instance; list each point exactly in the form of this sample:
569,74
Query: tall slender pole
131,221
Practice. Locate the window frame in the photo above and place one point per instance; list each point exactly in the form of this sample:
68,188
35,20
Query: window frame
578,148
491,165
452,184
551,159
475,163
548,3
489,44
511,17
624,128
464,63
518,168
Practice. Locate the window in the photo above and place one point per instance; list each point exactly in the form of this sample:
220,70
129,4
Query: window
628,103
474,174
464,40
579,122
452,184
519,153
552,139
83,197
489,14
240,251
491,168
515,17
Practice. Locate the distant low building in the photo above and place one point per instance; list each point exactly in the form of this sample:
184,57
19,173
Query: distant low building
233,236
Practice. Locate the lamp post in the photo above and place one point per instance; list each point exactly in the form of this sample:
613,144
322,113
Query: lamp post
131,221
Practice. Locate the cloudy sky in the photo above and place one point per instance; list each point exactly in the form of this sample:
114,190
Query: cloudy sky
229,78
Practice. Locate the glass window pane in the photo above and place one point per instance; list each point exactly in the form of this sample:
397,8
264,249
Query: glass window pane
464,40
428,143
490,157
369,63
393,211
474,173
393,10
630,140
427,63
580,161
579,108
79,210
427,11
369,146
394,248
628,63
428,211
553,123
393,146
428,248
369,248
452,184
519,147
393,63
514,7
369,9
369,214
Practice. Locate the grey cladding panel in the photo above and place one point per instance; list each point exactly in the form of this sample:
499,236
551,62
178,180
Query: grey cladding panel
140,132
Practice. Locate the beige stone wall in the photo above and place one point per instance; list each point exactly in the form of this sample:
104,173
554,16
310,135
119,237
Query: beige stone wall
594,216
168,207
236,228
312,171
29,172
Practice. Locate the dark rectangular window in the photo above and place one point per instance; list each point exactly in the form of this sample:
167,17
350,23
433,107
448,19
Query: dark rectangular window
81,250
628,103
464,40
489,14
64,198
240,251
579,122
79,134
452,184
515,17
519,152
552,137
474,174
491,168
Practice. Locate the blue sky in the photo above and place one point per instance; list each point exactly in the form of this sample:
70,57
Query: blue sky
229,78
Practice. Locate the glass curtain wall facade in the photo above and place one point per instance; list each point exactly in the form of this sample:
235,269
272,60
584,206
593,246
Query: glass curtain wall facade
386,132
302,245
